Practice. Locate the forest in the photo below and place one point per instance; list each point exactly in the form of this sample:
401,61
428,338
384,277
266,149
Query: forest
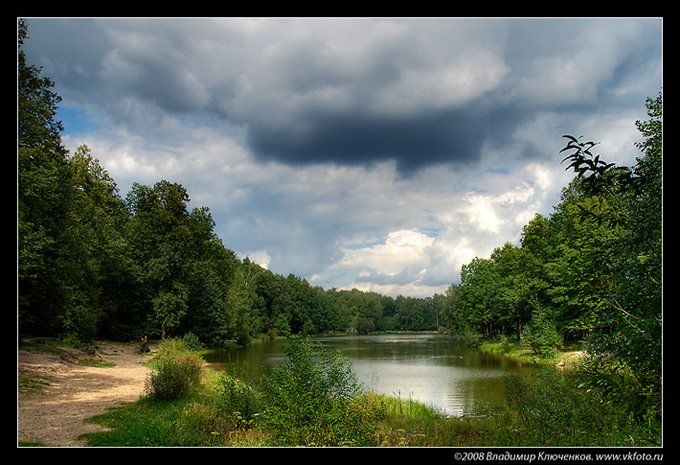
94,264
591,272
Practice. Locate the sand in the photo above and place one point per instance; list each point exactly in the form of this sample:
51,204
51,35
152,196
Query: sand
55,415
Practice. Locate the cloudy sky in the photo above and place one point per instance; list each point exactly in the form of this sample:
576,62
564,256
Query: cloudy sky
380,154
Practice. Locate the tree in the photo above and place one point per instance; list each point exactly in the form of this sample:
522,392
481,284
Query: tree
43,193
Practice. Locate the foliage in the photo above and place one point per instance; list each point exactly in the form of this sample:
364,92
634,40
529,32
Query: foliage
176,373
172,346
92,264
361,325
540,334
201,424
469,338
590,271
192,342
548,409
308,399
239,400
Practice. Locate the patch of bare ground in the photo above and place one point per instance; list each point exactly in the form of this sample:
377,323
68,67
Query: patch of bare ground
55,414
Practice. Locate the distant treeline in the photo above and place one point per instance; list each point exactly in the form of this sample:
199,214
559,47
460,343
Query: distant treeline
94,264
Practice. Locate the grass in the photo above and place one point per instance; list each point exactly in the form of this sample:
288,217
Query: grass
570,354
50,346
147,422
95,362
190,421
33,383
152,422
23,443
411,423
197,420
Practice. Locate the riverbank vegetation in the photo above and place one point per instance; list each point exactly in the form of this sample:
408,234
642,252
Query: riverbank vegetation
590,271
313,399
568,355
93,264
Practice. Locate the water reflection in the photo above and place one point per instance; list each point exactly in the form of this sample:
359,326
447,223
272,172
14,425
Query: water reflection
431,368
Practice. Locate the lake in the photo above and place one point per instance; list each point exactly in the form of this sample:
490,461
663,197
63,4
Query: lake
431,368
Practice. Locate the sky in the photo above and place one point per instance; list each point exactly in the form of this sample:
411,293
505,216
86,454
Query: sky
373,153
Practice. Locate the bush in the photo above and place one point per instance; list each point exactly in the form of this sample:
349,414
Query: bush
243,338
548,409
270,335
310,400
192,342
172,346
240,401
176,376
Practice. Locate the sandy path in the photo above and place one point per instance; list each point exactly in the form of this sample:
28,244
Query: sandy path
55,415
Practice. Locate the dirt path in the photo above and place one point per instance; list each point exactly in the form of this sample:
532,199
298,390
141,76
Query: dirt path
55,414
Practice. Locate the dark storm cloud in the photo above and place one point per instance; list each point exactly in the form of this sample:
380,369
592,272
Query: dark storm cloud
349,92
423,140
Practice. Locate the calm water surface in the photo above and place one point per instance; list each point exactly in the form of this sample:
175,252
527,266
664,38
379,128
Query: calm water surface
431,368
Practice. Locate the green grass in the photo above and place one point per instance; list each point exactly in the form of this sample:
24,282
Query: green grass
411,423
400,407
50,346
196,421
23,443
569,354
147,422
95,362
152,422
33,383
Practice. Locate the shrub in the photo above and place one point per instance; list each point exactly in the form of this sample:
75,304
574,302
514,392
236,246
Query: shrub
282,325
175,376
172,346
192,342
240,401
270,335
548,409
310,397
616,383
